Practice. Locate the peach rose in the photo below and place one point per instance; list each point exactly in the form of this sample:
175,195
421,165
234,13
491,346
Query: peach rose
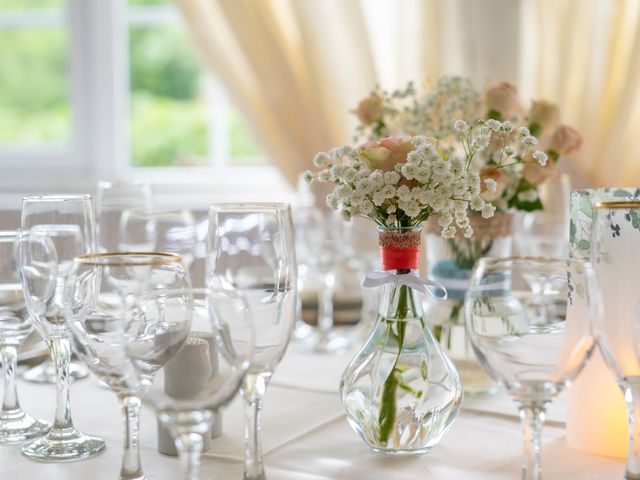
535,174
370,109
565,140
544,114
503,98
386,153
498,176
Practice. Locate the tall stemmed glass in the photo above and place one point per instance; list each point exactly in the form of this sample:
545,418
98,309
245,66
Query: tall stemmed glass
138,300
527,338
614,242
250,250
68,220
15,325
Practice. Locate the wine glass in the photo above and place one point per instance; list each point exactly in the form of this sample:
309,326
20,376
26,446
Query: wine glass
15,325
137,300
112,199
68,221
250,251
527,338
187,407
324,241
159,231
614,243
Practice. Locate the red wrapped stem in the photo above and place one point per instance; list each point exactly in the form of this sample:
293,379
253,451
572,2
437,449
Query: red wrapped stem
394,258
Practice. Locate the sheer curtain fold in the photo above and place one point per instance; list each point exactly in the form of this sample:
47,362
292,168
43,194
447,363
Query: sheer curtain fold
297,67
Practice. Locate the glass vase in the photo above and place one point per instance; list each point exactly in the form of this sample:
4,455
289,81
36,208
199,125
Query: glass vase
401,392
450,262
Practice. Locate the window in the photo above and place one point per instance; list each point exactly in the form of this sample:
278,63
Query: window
94,89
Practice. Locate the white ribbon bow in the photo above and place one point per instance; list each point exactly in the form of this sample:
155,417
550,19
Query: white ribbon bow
435,289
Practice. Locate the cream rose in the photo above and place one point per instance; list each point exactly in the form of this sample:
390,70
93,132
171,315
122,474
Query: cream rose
386,153
545,115
498,176
503,98
565,140
370,109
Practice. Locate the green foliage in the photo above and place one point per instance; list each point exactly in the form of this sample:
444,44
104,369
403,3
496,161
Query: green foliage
33,86
22,5
163,62
167,132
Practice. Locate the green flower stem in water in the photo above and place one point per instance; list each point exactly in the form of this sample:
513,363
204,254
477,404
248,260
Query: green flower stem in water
387,416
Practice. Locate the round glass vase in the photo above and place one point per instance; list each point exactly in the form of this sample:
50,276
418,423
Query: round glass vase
401,392
450,262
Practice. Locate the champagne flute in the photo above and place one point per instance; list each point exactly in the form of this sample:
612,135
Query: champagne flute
68,221
250,251
140,301
527,338
614,243
15,325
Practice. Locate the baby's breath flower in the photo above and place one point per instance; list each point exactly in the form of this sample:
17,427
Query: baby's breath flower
540,157
391,178
492,185
530,140
461,126
488,210
524,131
321,159
307,176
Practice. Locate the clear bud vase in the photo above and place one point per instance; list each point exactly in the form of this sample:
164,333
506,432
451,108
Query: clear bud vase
401,392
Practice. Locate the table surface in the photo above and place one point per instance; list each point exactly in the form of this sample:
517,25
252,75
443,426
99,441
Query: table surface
306,437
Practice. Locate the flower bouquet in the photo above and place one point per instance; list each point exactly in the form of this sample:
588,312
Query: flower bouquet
401,391
433,112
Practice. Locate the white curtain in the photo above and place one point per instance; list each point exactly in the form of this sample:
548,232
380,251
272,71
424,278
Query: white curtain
297,67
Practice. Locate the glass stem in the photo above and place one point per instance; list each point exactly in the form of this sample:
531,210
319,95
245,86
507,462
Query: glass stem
253,392
61,356
9,362
325,304
532,417
131,468
190,445
632,399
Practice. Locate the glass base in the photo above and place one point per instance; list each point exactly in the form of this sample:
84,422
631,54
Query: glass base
16,426
400,452
326,343
46,372
63,446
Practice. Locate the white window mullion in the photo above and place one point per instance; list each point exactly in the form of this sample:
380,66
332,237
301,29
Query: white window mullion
102,87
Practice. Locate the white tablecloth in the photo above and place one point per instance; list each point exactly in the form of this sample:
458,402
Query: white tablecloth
306,437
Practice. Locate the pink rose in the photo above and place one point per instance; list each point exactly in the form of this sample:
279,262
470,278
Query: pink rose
565,140
386,153
534,173
498,176
503,98
370,109
544,114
